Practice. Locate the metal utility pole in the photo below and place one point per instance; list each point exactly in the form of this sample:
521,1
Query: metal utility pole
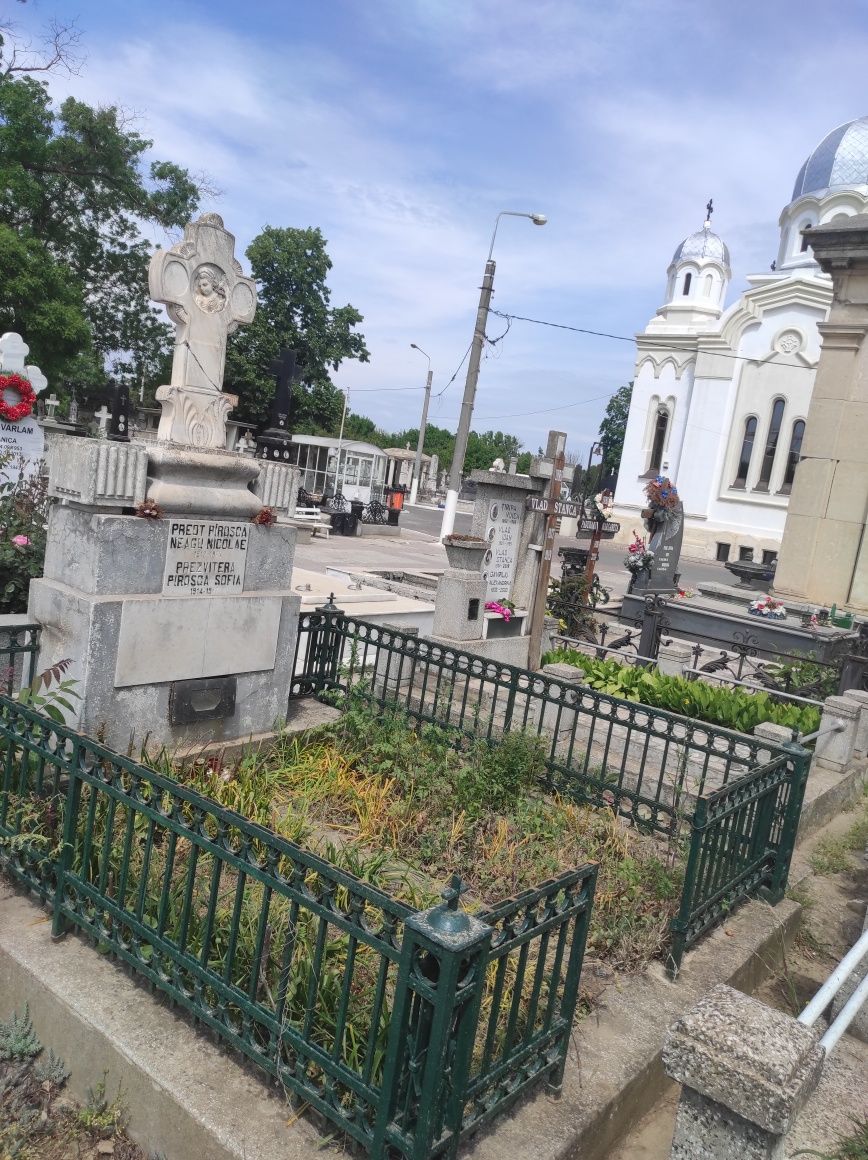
417,469
467,402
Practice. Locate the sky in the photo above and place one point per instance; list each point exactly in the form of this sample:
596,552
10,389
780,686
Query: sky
402,128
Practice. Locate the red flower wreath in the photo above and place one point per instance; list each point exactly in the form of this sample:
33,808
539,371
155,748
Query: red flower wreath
12,412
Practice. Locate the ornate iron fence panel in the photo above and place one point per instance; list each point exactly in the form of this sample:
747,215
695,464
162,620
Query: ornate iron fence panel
652,767
537,951
366,1009
19,648
742,842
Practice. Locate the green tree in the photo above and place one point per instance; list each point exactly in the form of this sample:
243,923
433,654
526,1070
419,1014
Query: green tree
75,192
290,267
614,426
482,450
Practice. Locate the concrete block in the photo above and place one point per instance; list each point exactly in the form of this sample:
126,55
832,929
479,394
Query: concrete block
277,486
838,727
673,659
453,606
87,629
98,472
860,743
735,1055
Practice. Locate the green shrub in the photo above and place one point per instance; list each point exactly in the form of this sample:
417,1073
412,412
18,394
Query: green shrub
24,506
731,708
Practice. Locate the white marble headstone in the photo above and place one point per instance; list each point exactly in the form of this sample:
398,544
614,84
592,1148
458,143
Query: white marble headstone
23,438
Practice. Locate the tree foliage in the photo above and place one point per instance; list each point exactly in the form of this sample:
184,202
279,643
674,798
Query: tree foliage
614,426
75,192
294,310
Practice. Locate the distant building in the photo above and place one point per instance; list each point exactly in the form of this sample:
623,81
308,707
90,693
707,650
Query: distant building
720,394
326,466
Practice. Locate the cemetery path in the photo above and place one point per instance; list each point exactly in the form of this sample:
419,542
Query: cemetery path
834,912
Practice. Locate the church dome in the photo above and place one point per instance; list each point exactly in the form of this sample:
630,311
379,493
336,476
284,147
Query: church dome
704,244
841,159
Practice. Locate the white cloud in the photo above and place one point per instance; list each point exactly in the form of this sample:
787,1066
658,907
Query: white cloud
617,120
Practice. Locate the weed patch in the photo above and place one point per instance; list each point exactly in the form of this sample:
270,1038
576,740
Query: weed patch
405,808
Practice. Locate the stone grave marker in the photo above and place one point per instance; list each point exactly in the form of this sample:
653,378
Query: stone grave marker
503,533
102,417
666,529
22,437
180,619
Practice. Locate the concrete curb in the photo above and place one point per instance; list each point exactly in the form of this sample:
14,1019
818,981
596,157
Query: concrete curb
186,1097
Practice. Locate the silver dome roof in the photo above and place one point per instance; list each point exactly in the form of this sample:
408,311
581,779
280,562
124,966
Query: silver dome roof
841,159
703,244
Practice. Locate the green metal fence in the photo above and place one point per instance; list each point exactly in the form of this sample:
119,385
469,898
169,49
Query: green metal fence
731,799
19,647
405,1029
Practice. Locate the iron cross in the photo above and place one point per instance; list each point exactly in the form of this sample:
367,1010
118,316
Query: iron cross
286,373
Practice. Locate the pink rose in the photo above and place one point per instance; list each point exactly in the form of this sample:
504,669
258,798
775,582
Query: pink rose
20,541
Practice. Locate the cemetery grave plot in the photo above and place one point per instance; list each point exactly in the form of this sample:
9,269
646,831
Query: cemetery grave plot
406,808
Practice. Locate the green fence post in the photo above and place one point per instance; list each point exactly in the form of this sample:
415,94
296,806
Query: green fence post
800,765
70,828
433,1028
328,646
680,925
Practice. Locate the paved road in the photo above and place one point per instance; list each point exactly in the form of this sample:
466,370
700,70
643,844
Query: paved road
428,520
419,549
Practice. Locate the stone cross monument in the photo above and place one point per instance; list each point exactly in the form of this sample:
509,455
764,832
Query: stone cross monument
172,597
207,296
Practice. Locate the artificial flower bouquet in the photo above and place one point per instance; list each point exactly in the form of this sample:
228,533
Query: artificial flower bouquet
661,493
768,608
639,557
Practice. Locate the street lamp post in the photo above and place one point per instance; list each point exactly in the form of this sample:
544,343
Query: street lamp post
417,469
461,437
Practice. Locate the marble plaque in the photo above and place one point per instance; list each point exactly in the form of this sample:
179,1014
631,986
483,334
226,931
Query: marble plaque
503,532
176,640
26,442
206,557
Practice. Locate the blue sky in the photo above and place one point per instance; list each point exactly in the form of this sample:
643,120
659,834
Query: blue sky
402,127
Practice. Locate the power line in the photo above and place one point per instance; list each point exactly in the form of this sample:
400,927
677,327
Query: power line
542,411
663,344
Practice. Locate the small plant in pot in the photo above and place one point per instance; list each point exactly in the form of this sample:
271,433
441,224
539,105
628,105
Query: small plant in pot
465,552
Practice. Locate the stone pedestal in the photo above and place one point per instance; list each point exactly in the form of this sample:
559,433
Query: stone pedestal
181,630
745,1069
674,658
824,552
511,565
838,728
459,606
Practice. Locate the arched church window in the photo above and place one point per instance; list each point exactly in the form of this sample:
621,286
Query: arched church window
805,242
771,445
659,440
709,281
746,452
794,455
688,278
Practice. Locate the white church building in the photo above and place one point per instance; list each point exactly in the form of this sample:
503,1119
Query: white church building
720,394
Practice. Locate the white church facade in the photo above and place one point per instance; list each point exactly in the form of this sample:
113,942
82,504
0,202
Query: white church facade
721,395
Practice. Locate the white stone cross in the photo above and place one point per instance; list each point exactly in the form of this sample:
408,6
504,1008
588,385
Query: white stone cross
13,351
51,405
202,286
102,416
